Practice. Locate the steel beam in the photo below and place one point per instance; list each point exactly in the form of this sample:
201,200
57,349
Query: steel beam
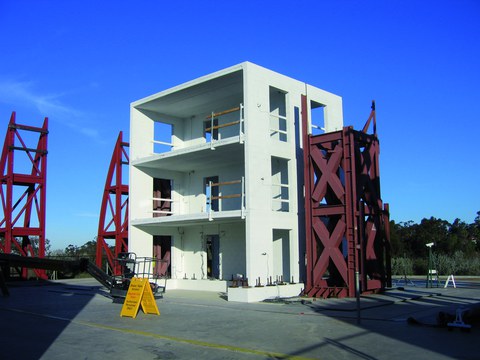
23,195
113,221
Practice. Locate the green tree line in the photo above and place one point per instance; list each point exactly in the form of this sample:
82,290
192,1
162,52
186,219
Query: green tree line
456,248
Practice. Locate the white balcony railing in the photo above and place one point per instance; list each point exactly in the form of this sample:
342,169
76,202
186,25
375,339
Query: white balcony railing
215,126
221,199
220,196
166,210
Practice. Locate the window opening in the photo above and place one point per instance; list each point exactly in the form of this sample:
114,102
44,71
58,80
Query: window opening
280,186
317,111
278,114
162,137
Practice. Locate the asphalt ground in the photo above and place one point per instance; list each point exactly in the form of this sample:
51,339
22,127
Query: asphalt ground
76,319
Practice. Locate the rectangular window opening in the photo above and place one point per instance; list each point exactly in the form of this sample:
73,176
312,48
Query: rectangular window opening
280,185
278,114
162,137
318,118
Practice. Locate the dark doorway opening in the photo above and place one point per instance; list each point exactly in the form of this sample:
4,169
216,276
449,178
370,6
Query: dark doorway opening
162,195
213,256
162,246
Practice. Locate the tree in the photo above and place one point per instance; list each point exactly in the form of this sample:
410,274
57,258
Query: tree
474,232
397,245
403,236
86,250
456,249
71,250
459,238
428,231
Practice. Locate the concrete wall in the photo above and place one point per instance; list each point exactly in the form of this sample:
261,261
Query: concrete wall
189,257
261,172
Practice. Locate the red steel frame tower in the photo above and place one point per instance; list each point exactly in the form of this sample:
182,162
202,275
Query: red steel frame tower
113,223
347,232
23,195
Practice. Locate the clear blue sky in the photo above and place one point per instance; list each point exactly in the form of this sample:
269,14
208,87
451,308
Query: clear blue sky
81,63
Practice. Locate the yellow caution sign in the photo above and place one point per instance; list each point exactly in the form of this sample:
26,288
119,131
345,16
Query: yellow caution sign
139,293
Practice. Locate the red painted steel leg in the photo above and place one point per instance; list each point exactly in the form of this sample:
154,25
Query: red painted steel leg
113,222
23,195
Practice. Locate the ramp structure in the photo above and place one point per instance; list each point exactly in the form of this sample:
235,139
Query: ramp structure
347,234
23,167
113,221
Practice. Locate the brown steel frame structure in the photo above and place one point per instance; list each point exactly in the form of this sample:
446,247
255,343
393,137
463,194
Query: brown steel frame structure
347,232
113,221
23,195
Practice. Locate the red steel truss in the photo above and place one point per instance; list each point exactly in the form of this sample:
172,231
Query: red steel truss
23,192
347,233
113,224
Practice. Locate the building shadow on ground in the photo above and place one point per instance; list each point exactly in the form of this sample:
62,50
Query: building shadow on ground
35,313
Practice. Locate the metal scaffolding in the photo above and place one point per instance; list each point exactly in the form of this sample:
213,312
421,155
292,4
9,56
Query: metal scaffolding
347,233
23,192
113,221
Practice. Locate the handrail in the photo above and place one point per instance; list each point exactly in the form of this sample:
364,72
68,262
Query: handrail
223,112
162,199
161,142
231,196
279,116
281,185
227,183
223,125
161,212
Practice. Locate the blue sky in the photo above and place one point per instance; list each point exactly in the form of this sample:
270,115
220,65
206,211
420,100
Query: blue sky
81,63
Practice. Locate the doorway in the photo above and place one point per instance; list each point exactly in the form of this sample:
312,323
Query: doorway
162,195
162,247
213,256
281,253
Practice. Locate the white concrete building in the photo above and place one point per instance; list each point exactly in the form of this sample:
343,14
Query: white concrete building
216,180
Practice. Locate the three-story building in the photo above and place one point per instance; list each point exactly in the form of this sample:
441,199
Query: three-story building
216,180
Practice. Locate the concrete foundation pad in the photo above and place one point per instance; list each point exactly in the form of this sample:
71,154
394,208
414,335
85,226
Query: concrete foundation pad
255,294
199,285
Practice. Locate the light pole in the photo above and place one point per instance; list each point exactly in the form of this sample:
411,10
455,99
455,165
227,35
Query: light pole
430,262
